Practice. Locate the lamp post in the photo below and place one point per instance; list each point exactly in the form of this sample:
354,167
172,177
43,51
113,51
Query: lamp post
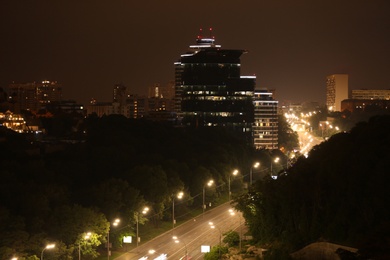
49,246
185,245
179,196
211,224
115,223
257,164
232,213
235,172
204,188
87,236
275,160
144,211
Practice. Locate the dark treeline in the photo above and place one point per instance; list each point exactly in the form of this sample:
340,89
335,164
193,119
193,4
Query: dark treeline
340,194
50,195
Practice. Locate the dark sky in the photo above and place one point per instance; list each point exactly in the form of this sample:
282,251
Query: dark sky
90,45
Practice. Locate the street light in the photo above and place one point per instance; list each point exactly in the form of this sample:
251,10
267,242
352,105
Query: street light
235,172
204,186
232,213
179,196
256,165
144,211
211,224
87,236
115,223
49,246
185,245
275,160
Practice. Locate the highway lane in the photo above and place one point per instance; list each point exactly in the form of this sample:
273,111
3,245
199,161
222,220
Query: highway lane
191,235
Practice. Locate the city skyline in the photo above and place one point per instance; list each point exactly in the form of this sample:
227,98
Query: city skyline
90,46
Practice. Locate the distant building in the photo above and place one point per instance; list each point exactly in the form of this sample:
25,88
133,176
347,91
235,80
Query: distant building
365,105
155,108
64,106
33,96
158,91
265,126
209,88
336,91
99,108
382,94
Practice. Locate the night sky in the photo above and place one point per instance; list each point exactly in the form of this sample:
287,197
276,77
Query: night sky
90,45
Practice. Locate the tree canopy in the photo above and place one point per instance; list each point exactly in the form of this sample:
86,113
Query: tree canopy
340,193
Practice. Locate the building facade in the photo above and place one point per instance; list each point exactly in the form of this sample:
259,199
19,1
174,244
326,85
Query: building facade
33,96
265,126
336,91
381,94
209,88
366,105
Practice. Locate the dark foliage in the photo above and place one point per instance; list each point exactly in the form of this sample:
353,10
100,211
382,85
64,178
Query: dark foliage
340,193
54,191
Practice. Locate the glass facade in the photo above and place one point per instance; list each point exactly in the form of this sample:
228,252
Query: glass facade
210,90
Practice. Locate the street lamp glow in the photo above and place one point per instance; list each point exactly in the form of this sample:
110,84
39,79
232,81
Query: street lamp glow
232,213
144,211
212,226
49,246
177,241
255,165
234,173
115,223
209,183
179,196
86,237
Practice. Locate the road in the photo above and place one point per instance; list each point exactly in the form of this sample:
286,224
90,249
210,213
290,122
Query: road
191,235
307,141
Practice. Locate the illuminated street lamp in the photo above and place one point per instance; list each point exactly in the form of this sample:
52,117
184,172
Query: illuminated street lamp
276,160
115,223
211,224
86,237
185,245
179,196
204,187
235,172
232,213
49,246
256,165
144,211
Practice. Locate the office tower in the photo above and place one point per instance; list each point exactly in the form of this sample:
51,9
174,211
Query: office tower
336,91
209,88
33,96
265,126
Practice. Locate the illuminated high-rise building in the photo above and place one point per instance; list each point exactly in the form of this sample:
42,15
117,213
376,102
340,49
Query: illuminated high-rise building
336,91
34,95
265,126
209,88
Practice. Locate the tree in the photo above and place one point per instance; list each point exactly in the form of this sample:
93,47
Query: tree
232,238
